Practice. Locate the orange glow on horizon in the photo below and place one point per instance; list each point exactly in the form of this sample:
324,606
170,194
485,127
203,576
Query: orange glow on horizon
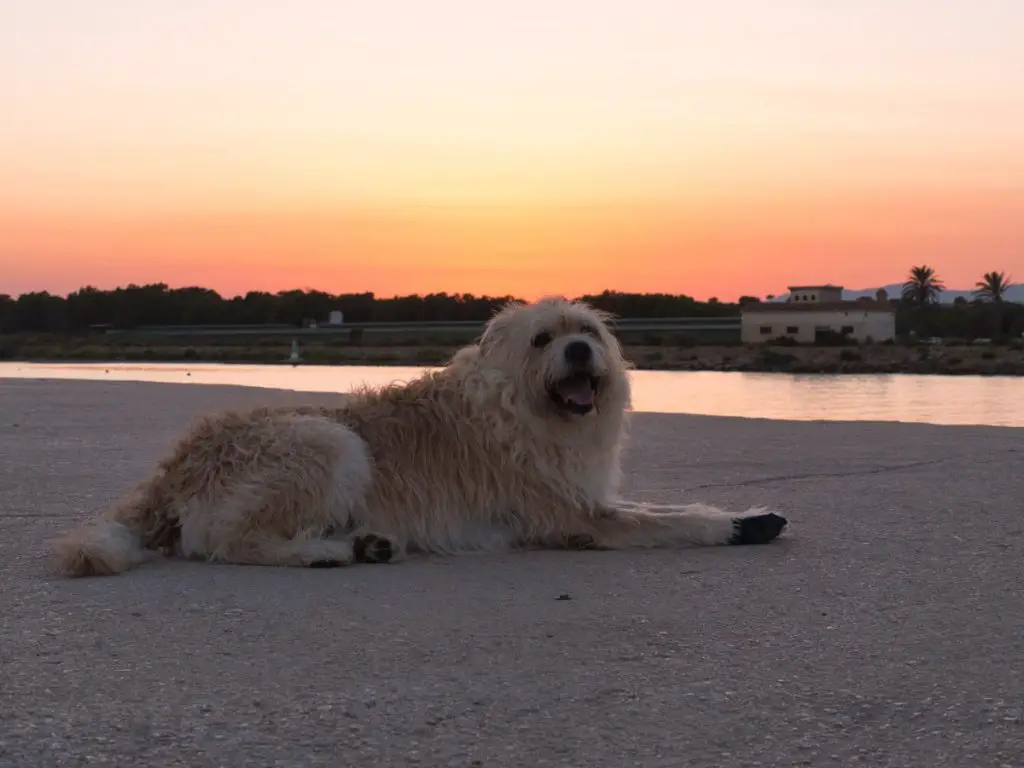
723,251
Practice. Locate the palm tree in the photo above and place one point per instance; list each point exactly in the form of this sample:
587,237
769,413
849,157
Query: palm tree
992,286
922,286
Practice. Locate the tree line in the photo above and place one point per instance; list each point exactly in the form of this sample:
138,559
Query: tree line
135,306
924,286
988,315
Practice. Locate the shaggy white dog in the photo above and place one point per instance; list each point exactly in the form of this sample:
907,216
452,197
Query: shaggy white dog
515,443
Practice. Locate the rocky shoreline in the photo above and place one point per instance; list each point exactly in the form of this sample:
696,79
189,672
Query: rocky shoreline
934,360
877,358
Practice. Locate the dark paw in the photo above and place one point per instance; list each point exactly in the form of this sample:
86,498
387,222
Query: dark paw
757,529
372,548
325,564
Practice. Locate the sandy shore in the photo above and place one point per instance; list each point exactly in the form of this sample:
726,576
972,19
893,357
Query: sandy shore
882,629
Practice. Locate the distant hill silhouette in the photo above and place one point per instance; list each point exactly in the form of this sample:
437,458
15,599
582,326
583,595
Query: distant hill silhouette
1015,293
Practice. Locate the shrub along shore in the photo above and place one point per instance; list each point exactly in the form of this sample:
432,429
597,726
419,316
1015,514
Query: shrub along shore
674,354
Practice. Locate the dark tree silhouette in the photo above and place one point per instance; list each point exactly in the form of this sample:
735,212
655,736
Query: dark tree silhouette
922,286
137,306
992,287
134,306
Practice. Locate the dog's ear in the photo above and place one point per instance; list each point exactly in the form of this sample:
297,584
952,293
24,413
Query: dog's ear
465,358
604,315
497,325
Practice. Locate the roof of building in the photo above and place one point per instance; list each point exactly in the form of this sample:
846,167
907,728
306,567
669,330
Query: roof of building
868,305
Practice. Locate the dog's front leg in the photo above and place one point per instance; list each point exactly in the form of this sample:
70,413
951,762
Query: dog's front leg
625,524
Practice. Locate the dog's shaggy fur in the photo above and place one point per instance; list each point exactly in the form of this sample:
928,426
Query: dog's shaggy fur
515,443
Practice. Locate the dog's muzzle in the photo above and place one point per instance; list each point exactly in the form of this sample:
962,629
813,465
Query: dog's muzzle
577,392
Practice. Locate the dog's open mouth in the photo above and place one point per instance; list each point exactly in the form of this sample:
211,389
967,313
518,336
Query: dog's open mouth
576,393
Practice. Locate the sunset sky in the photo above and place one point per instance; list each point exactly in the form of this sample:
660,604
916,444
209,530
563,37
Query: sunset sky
527,147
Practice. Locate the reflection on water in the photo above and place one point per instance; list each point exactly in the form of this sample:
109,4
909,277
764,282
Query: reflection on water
995,400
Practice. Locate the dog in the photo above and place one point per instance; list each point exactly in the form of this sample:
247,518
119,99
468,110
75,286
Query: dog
515,443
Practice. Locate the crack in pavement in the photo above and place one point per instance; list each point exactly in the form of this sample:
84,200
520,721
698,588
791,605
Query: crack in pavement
703,486
36,516
809,475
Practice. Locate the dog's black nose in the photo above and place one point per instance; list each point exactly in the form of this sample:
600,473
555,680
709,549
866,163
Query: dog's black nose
578,352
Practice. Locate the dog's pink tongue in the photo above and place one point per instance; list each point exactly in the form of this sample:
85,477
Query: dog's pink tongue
579,393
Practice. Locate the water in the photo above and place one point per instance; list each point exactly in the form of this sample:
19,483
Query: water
989,400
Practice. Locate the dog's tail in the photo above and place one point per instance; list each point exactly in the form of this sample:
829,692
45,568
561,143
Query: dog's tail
127,535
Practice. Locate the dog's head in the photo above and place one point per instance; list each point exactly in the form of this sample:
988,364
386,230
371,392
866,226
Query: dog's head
563,360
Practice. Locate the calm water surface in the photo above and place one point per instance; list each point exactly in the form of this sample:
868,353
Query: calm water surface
992,400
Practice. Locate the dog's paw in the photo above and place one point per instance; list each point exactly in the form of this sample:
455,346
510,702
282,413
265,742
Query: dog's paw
757,529
372,548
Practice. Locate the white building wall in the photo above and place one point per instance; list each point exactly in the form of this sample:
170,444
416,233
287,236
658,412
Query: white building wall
817,295
865,324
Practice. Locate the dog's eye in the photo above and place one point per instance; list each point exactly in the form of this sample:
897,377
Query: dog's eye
542,339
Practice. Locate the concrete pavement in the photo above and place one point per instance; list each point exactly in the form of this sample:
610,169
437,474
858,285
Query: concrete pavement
886,627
